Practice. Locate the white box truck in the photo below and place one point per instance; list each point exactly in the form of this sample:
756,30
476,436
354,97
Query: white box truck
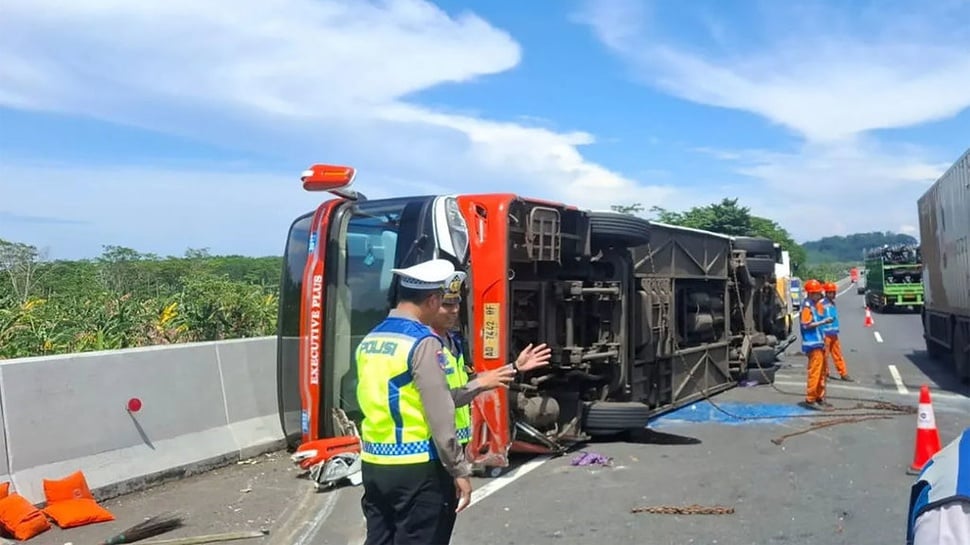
944,223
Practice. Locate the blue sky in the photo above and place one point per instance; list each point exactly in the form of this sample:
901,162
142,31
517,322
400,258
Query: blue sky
168,125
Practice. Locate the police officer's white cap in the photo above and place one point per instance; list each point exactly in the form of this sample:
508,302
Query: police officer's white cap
453,285
430,275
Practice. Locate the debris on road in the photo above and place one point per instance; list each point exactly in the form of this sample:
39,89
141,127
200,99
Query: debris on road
591,459
150,527
827,423
211,538
685,510
326,475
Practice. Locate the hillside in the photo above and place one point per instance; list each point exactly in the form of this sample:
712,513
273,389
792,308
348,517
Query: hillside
839,249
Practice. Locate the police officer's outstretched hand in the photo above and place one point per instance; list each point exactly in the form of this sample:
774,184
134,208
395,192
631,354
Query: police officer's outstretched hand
532,357
463,486
495,378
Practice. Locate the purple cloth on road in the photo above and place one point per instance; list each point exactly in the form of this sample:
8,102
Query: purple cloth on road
590,458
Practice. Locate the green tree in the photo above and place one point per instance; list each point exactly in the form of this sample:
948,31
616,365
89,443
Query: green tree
21,264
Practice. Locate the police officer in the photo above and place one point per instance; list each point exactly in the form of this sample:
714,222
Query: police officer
939,503
464,390
412,464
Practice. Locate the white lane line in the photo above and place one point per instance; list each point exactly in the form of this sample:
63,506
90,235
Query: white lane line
499,483
936,393
877,336
843,291
900,387
310,530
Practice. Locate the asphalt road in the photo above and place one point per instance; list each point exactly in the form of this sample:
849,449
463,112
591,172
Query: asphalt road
845,484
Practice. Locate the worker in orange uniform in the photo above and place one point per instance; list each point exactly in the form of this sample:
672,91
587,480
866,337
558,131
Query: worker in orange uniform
833,347
813,322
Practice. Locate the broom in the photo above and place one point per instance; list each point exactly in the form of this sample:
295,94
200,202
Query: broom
150,527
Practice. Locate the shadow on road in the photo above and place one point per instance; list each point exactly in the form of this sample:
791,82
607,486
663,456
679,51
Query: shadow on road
939,371
648,437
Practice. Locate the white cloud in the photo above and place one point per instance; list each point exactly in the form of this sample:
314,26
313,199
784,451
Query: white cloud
831,81
826,78
819,190
301,80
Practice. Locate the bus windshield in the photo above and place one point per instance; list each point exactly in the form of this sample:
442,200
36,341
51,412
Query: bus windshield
368,250
288,327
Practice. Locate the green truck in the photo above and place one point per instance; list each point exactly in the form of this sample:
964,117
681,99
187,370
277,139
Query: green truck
893,278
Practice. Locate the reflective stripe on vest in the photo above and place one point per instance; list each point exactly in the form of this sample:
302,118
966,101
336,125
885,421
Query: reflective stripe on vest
457,377
394,430
812,338
945,478
831,312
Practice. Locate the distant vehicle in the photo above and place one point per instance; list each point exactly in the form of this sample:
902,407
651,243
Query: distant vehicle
944,224
854,275
894,278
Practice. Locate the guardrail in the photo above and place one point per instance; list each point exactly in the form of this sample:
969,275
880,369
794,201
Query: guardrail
135,417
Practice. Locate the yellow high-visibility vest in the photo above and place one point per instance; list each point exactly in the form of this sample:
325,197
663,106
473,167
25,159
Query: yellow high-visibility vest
457,377
394,430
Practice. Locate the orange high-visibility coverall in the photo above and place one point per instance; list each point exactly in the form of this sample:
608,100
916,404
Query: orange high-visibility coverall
817,372
833,348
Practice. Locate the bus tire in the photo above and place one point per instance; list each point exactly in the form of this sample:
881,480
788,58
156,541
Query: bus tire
618,230
612,417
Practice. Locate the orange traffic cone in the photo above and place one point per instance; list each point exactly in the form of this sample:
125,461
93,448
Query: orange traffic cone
868,322
927,436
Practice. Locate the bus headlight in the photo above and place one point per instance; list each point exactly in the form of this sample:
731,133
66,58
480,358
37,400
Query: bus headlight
451,231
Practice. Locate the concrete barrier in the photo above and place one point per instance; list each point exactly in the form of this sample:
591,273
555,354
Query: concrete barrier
4,462
203,405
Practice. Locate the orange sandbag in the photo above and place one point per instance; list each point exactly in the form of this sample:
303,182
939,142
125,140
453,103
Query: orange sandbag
70,502
21,519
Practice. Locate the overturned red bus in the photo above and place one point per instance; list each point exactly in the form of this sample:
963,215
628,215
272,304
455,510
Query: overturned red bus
642,317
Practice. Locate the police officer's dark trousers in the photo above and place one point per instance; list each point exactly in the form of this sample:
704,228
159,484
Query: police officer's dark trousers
408,504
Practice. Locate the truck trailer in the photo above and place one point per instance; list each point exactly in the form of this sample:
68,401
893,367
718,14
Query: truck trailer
944,223
642,317
893,278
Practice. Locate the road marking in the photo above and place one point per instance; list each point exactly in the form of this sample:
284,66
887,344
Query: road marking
311,529
499,483
900,387
878,336
843,291
937,394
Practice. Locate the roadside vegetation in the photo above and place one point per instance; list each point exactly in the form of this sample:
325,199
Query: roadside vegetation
124,299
